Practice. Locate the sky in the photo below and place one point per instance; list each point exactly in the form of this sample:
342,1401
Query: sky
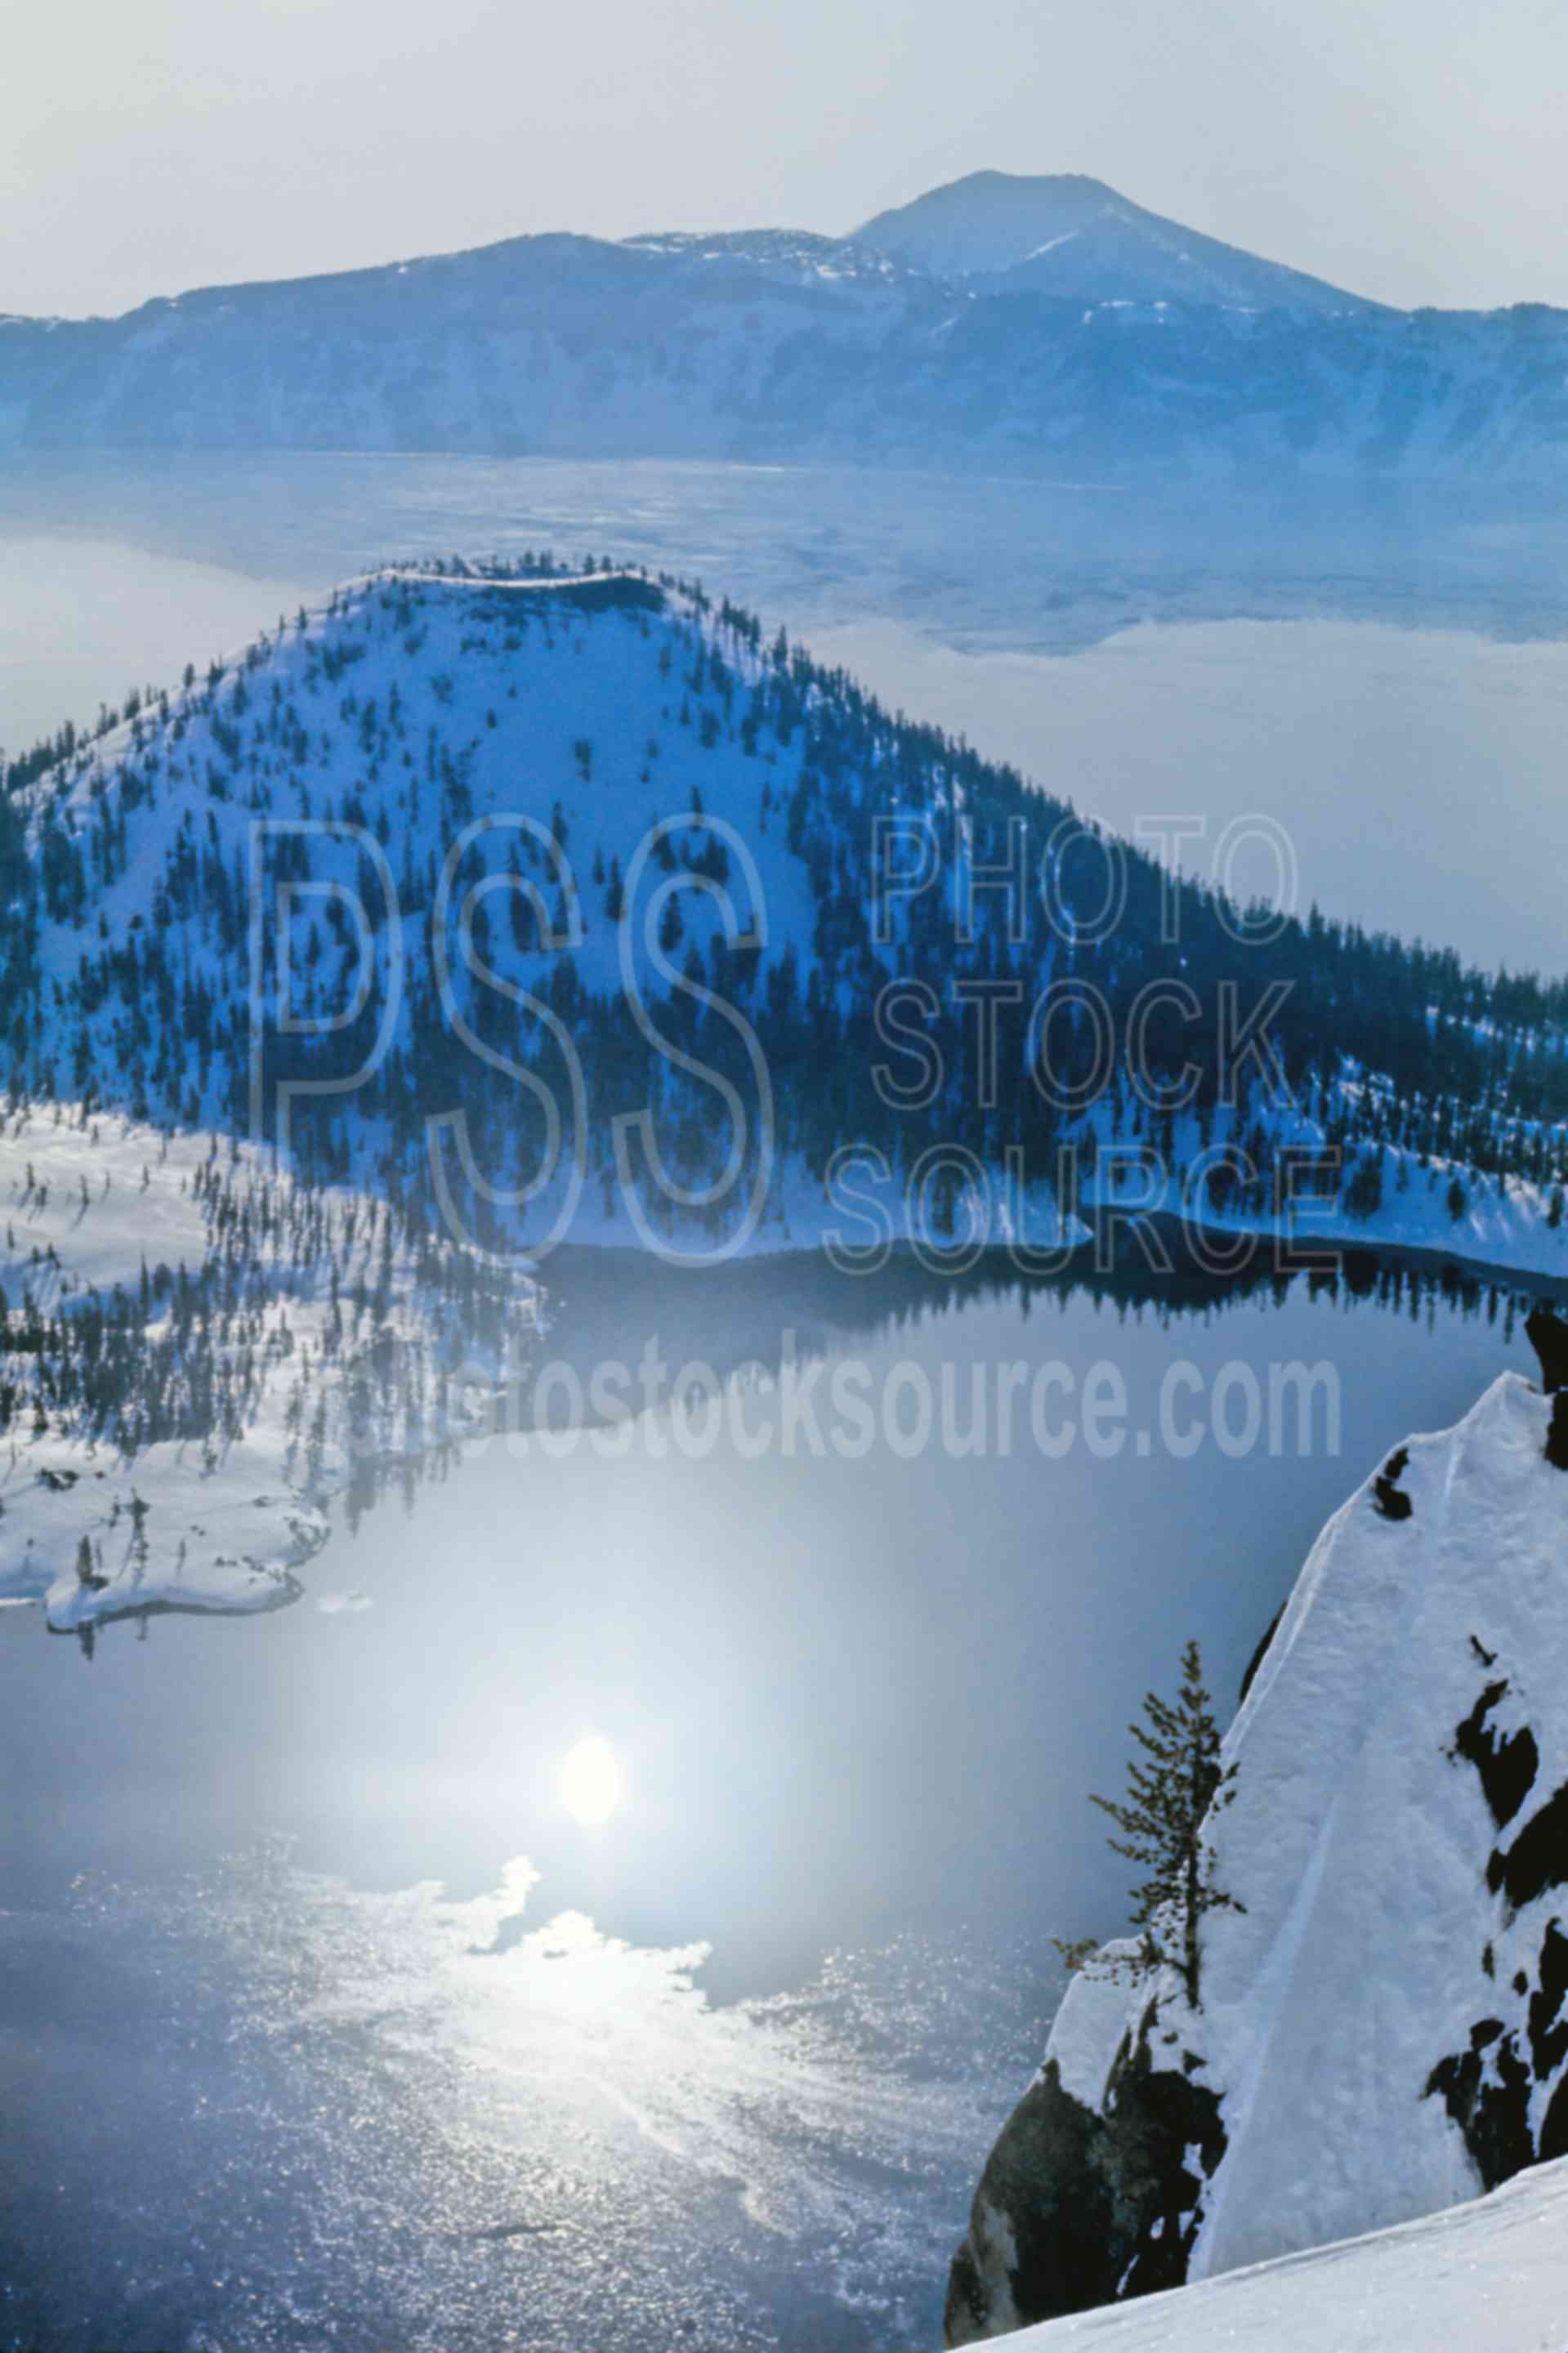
1406,149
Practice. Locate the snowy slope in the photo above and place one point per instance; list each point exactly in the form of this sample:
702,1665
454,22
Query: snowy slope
1382,2033
1490,2277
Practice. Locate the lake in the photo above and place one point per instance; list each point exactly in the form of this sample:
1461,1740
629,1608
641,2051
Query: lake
291,2020
322,2016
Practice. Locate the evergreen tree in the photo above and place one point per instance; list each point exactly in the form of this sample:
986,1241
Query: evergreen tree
1171,1790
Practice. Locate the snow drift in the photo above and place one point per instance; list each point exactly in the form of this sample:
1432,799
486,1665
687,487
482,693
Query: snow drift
1488,2275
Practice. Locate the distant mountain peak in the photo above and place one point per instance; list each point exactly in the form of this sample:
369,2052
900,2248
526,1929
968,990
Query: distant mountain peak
1065,233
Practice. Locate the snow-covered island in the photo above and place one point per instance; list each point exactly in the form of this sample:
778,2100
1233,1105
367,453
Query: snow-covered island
1381,2033
470,851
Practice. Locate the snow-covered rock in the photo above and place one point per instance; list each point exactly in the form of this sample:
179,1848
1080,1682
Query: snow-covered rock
1382,2032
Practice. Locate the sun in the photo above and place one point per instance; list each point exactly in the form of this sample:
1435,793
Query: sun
591,1781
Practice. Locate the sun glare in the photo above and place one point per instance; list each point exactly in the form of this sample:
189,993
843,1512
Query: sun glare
591,1781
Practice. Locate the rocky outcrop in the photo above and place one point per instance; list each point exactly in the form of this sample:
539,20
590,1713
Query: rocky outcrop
1079,2204
1384,2028
1548,1336
1506,2090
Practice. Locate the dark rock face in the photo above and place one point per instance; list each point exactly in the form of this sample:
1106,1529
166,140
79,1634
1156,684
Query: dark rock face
1388,1495
1548,1336
1258,1657
1043,2177
1537,1860
1489,2089
1079,2206
1506,1762
1557,1435
1486,2092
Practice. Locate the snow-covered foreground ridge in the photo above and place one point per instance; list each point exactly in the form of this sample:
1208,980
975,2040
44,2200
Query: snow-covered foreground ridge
1382,2032
1491,2277
467,852
199,1354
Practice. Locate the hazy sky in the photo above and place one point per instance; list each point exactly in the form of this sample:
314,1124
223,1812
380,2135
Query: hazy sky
1410,149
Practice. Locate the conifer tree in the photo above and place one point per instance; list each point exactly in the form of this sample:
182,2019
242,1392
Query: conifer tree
1171,1790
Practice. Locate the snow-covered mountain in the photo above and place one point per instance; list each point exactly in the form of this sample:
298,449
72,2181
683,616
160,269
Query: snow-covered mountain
1080,334
1382,2032
1061,233
1490,2277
